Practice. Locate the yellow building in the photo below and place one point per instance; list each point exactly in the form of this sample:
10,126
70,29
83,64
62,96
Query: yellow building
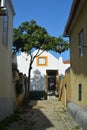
6,90
65,88
76,30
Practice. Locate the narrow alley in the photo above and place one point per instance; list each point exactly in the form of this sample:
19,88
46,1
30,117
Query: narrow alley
45,115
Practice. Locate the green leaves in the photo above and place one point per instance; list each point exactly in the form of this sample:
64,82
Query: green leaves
30,35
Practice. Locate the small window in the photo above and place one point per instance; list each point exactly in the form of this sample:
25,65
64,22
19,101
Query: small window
5,30
65,86
42,61
81,43
80,92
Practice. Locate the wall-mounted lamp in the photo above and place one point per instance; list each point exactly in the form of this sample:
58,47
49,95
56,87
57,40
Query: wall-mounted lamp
60,47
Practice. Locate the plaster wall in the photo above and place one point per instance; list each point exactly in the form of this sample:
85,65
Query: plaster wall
79,63
38,73
6,90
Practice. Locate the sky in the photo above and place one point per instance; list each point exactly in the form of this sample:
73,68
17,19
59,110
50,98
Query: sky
50,14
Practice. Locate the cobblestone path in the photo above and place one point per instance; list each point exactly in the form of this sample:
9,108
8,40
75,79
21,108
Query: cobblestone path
45,115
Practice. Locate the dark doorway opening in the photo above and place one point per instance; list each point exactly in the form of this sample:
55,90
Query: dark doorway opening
51,80
52,76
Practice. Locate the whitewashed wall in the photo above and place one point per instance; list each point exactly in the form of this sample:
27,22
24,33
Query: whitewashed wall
38,73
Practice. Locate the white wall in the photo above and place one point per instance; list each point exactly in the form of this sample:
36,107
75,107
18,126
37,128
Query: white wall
62,67
6,89
38,73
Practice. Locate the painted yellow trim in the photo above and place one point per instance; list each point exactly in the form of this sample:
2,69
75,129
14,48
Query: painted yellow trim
47,80
46,61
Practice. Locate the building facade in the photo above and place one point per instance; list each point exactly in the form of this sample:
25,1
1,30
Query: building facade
6,90
46,70
76,29
65,87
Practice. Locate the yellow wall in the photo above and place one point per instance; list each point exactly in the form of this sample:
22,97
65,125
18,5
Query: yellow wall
62,91
65,88
79,64
68,85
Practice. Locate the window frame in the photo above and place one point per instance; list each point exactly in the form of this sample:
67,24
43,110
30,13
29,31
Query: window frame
80,92
81,43
5,29
44,63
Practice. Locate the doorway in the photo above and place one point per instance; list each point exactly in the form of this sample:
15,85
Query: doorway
52,82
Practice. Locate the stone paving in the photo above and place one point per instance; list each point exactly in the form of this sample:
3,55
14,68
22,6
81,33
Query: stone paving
45,115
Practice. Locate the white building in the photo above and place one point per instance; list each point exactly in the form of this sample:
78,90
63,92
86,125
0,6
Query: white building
45,71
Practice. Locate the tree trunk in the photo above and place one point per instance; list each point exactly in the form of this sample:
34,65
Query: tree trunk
30,67
29,74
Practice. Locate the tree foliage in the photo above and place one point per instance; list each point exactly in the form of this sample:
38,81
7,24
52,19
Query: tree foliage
30,35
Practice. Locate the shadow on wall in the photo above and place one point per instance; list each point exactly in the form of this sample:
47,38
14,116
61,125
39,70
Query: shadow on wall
38,82
38,86
80,68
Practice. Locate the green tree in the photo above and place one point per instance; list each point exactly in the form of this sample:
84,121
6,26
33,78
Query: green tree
29,35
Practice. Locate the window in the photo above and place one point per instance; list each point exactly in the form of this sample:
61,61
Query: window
5,30
80,92
42,61
81,43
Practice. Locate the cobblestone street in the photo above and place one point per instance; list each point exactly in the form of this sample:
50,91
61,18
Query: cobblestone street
45,115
